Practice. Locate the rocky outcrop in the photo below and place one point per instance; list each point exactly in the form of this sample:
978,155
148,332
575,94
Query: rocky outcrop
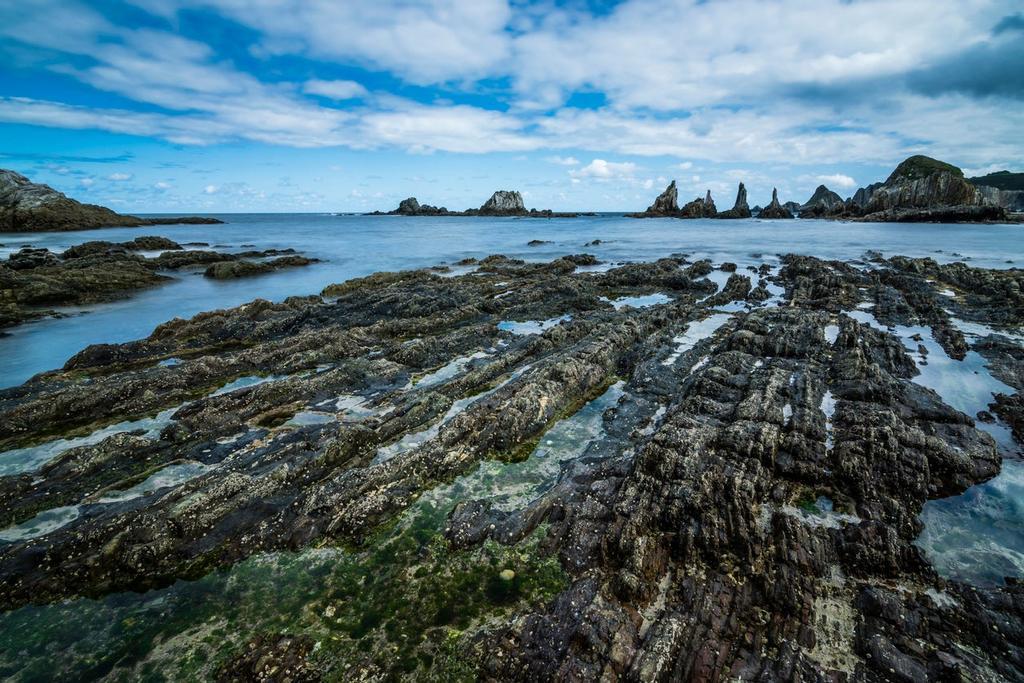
411,207
820,203
921,189
700,208
665,205
1011,200
231,270
740,209
429,492
33,279
922,183
1002,188
774,210
501,203
32,207
504,203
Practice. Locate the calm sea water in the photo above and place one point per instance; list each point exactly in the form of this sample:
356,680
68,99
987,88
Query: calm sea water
353,246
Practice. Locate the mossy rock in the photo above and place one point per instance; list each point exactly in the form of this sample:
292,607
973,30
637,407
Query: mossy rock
919,166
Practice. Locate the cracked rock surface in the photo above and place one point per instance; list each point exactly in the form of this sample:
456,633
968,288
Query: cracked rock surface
524,472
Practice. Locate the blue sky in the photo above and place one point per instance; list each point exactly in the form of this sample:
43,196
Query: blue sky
324,105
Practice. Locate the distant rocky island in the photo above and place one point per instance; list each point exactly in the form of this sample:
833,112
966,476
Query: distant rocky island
33,207
920,189
508,203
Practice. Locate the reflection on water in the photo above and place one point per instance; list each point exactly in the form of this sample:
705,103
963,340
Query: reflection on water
977,536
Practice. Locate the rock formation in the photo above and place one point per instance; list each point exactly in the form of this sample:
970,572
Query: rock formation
665,204
32,207
501,203
504,203
376,493
700,208
1002,188
821,202
921,189
32,279
740,209
774,210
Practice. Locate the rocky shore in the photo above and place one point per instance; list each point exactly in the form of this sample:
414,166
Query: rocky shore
503,203
745,506
32,207
33,279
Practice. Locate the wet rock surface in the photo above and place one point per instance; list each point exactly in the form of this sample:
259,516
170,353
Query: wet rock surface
747,507
33,279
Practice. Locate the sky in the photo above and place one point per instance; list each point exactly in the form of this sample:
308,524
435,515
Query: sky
352,105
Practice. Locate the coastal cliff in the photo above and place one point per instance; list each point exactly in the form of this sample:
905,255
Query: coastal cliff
33,207
920,189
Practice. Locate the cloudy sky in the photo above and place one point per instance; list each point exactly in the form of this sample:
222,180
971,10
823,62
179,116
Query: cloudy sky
325,105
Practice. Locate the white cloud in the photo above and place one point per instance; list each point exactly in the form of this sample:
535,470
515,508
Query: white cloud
679,55
210,189
119,177
460,128
161,186
562,161
87,182
837,180
605,170
336,90
423,43
664,69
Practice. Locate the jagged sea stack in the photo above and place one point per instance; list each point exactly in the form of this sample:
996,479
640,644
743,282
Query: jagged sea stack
666,204
740,209
775,210
700,208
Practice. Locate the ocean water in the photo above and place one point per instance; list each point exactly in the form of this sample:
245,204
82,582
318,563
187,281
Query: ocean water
354,246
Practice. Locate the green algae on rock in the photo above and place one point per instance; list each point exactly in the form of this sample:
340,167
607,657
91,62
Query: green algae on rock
714,454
